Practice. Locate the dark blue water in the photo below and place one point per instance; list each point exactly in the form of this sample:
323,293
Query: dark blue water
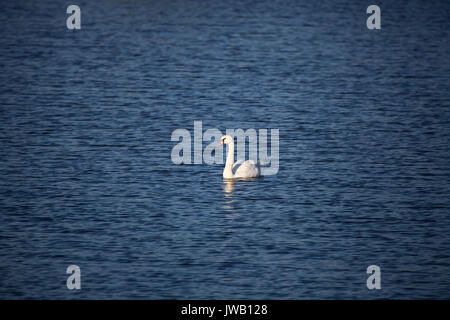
86,175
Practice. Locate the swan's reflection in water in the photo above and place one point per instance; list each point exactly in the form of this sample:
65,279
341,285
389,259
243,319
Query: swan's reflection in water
228,193
228,188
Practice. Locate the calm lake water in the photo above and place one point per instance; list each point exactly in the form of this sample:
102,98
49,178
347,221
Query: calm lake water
87,179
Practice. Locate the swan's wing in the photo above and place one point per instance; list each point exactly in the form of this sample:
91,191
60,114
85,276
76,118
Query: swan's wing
235,165
247,169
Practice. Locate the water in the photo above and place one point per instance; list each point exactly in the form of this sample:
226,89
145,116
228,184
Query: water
86,175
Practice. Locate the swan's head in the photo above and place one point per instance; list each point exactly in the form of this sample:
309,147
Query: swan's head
226,139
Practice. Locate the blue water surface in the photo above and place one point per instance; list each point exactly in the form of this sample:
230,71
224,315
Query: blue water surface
85,142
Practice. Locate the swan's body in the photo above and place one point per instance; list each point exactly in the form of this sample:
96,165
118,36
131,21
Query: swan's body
240,169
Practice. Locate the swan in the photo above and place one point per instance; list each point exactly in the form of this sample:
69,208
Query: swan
246,169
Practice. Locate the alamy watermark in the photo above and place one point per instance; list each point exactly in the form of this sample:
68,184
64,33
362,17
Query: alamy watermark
74,20
74,280
374,280
374,20
257,147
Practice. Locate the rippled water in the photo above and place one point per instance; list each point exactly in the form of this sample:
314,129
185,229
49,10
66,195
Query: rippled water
86,176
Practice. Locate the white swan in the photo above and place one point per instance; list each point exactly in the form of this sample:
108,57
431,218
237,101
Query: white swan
246,169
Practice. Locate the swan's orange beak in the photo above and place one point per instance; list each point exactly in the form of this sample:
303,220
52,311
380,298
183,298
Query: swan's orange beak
219,145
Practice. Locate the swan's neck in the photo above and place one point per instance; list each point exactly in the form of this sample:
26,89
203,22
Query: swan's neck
227,172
